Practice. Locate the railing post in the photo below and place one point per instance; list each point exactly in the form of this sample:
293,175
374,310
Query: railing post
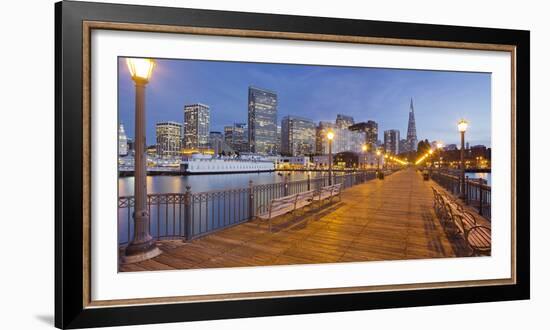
480,196
250,200
467,190
187,213
285,185
308,181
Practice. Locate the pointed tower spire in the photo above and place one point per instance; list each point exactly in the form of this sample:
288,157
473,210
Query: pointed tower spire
411,129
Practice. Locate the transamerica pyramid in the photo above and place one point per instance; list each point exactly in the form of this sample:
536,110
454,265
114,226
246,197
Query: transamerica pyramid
412,141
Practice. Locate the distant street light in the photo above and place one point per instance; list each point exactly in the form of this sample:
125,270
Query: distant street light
364,148
330,137
142,246
462,127
378,160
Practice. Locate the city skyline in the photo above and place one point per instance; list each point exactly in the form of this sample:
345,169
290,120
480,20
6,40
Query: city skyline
440,98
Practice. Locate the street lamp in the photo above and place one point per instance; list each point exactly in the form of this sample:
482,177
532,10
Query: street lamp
364,148
330,137
142,246
377,160
462,127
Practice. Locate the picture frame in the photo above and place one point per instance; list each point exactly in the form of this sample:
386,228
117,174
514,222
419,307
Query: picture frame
75,22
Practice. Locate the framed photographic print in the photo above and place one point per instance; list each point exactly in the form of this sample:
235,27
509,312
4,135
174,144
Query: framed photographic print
214,164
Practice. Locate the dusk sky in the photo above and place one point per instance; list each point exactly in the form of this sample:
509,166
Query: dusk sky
441,98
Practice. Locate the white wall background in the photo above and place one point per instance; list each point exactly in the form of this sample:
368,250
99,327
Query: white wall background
26,183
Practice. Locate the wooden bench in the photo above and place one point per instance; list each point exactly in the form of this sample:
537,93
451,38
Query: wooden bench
478,237
328,192
304,199
284,205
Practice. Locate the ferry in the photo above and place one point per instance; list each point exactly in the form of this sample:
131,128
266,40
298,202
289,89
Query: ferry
206,164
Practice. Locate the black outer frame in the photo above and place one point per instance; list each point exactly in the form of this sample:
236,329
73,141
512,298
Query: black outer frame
69,307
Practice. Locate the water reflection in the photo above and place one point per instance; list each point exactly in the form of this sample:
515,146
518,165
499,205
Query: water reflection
485,176
207,182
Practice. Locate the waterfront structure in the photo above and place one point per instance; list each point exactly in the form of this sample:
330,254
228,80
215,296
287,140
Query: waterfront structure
370,128
168,139
368,160
344,121
236,136
292,162
297,136
262,121
122,141
412,140
196,126
199,163
391,141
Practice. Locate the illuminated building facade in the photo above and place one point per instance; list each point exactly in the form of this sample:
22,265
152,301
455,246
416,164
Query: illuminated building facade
196,126
168,139
262,121
297,136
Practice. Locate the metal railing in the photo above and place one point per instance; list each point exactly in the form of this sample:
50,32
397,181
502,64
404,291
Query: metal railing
190,215
477,194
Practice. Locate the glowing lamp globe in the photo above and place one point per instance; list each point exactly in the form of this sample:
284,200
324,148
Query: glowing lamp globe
330,135
462,125
140,68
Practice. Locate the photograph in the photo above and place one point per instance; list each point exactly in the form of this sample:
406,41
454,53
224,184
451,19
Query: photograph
227,163
247,164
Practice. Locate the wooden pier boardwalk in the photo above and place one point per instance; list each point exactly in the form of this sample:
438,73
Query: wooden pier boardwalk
391,219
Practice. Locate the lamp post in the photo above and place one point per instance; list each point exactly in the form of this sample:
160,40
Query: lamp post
330,137
142,246
462,127
378,164
364,149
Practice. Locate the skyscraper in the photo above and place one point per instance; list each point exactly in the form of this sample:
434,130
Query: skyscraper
412,141
236,136
391,141
196,126
122,141
370,128
262,121
297,136
343,121
168,139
